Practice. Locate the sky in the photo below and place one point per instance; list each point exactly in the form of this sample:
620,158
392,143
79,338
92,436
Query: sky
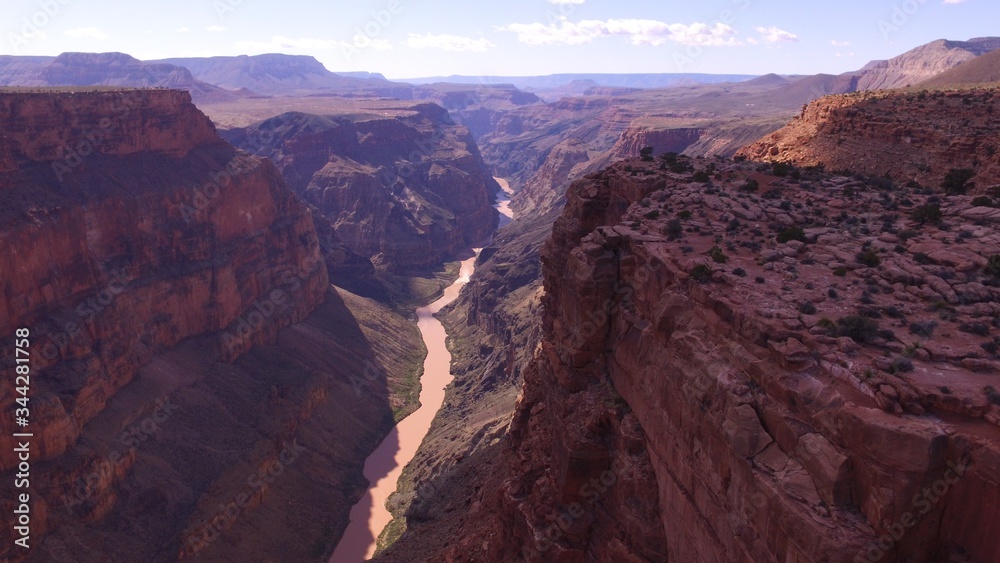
420,38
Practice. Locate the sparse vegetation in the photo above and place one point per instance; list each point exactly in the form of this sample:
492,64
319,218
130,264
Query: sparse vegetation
869,258
791,233
928,213
924,329
702,273
958,181
861,329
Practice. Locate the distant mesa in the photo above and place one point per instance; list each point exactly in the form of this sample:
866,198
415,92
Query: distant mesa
107,69
277,74
984,69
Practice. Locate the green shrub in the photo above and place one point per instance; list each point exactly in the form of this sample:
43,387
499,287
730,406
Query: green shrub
957,181
929,213
861,329
701,176
791,233
674,230
869,258
993,265
807,308
717,255
780,169
701,273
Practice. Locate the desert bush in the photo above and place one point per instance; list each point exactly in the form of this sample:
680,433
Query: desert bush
923,328
701,273
957,181
929,213
859,328
979,329
869,258
791,233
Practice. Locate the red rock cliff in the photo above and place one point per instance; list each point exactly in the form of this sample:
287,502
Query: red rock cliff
157,236
692,400
906,135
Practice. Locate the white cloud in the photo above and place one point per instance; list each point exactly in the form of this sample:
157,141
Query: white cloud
953,1
836,43
775,35
567,1
86,33
183,30
640,32
448,42
215,28
281,43
842,55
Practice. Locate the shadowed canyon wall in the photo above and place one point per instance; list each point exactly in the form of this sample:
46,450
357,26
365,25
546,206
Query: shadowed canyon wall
195,378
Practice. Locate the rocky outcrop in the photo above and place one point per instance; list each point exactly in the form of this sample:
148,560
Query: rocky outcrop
914,136
704,391
661,140
406,190
192,369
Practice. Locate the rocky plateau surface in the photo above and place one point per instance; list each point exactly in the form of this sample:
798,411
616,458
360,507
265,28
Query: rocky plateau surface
917,136
741,363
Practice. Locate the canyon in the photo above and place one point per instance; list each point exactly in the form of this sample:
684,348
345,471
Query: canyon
190,353
765,343
762,433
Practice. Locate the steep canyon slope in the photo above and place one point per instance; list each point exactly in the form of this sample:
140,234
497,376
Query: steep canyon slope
195,377
713,384
399,182
916,136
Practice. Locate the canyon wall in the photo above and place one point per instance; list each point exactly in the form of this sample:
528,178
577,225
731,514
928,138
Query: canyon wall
698,400
194,375
400,185
909,136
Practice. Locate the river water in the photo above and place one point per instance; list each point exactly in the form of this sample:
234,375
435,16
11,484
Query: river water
384,466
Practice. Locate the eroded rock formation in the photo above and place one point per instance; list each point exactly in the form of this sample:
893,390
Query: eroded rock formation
194,376
704,391
401,185
917,136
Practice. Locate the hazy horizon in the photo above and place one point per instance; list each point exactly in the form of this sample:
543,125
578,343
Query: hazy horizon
401,39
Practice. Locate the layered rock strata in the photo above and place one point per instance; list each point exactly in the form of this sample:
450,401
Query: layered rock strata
713,384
